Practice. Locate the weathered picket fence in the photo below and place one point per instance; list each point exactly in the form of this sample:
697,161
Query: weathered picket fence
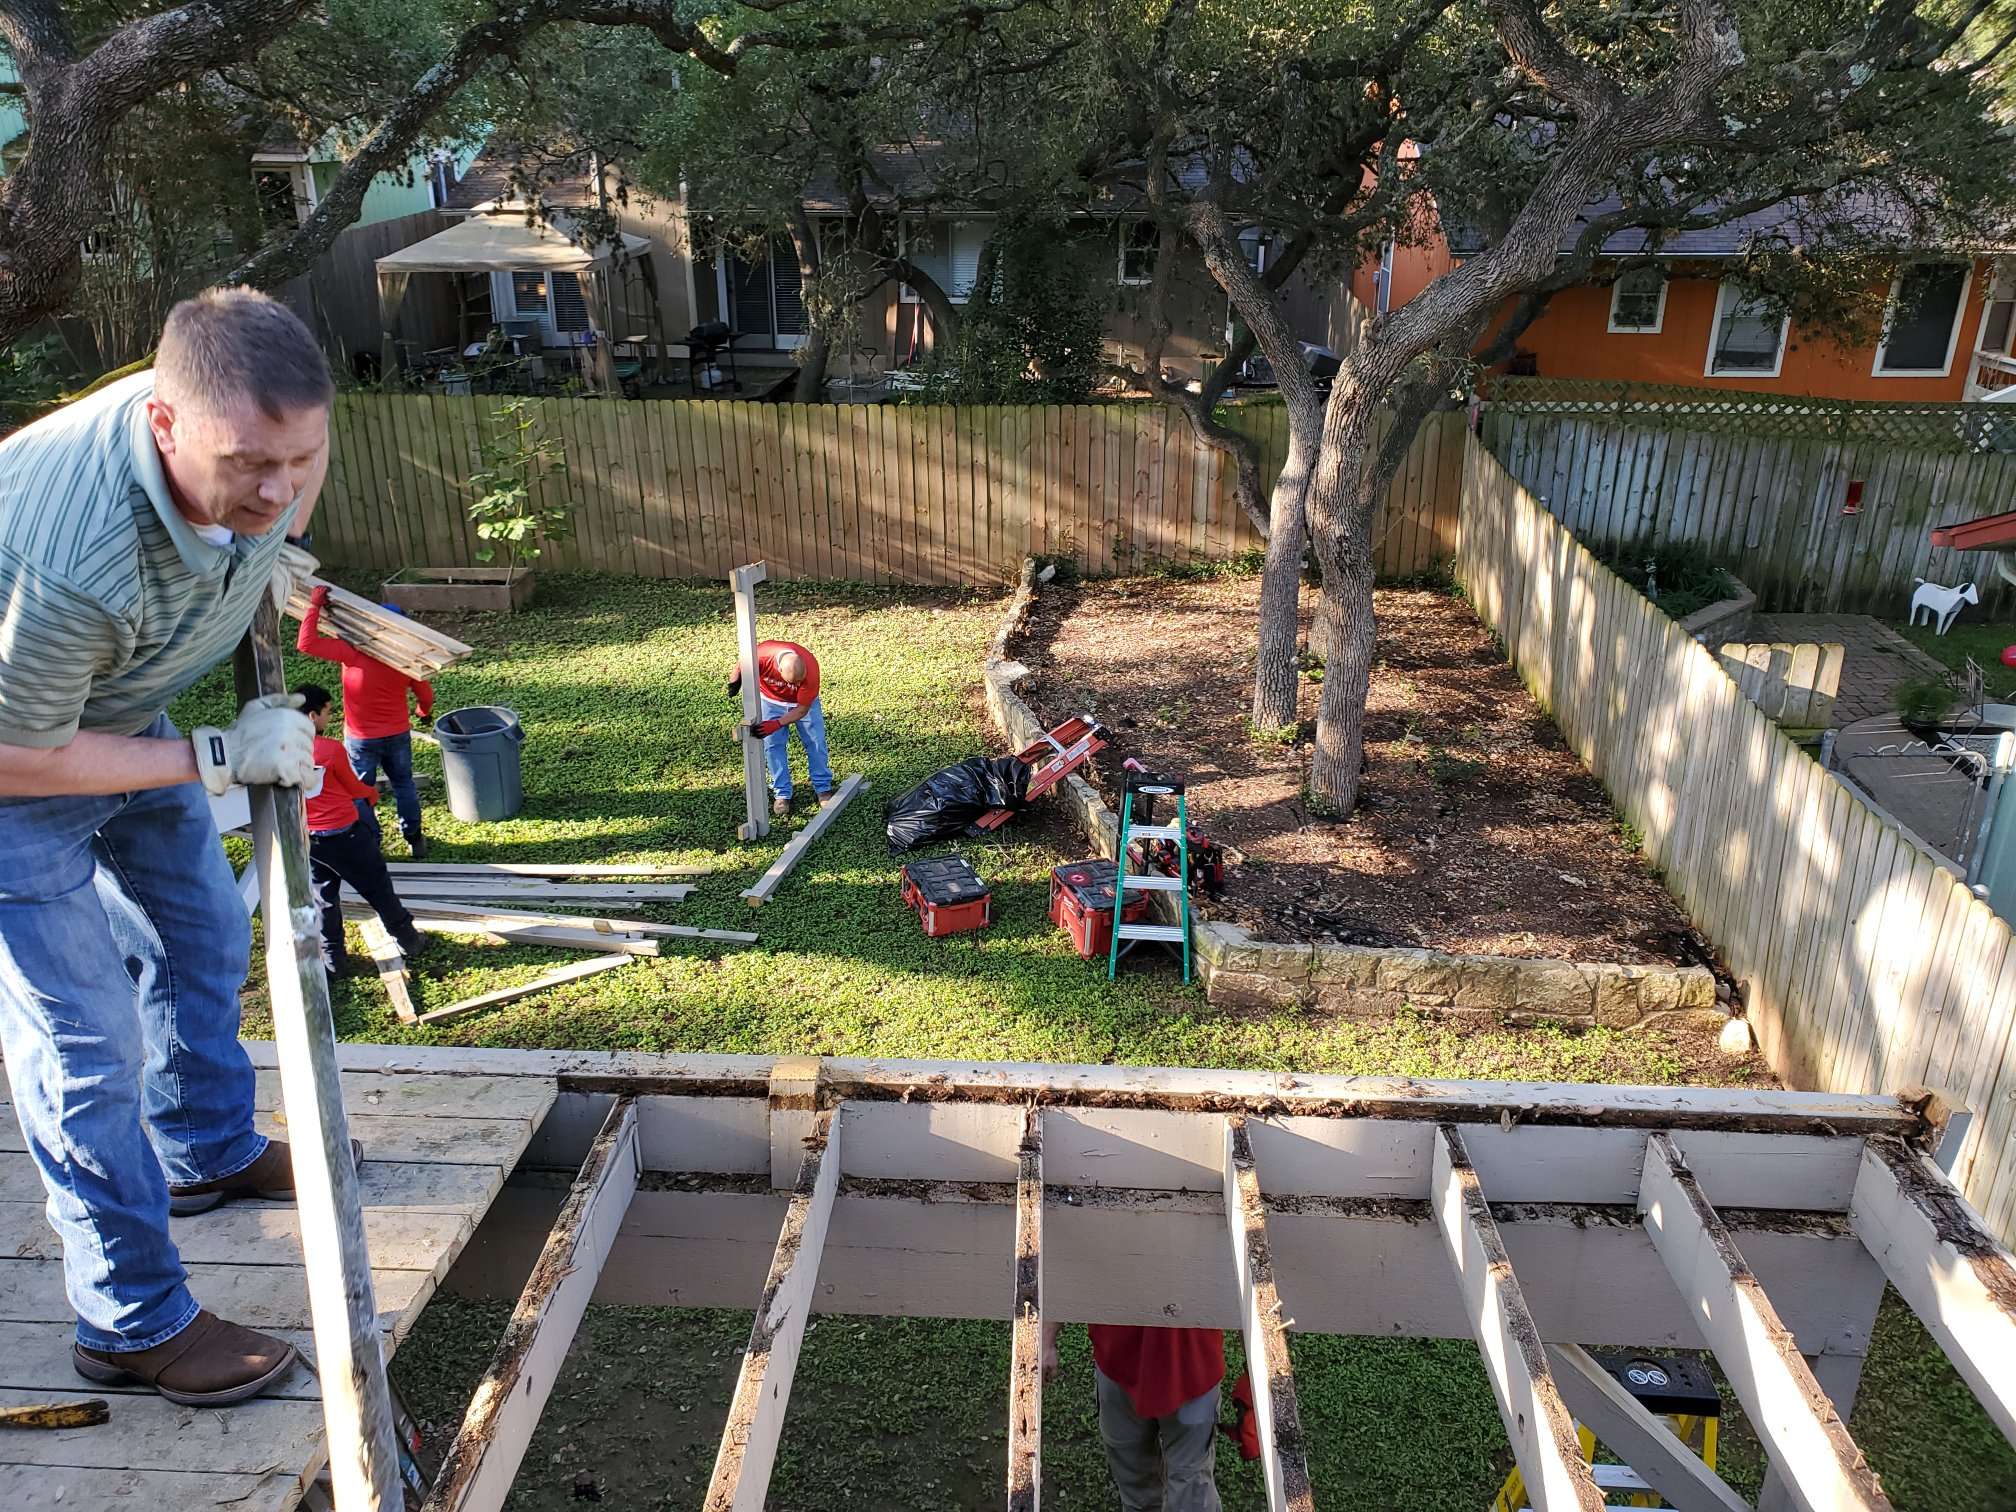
1870,966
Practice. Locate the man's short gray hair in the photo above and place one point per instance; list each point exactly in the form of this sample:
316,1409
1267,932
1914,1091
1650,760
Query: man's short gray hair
228,344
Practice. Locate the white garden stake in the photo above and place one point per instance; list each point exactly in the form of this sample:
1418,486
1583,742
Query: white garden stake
1942,603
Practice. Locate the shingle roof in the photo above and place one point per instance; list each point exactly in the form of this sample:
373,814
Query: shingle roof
564,178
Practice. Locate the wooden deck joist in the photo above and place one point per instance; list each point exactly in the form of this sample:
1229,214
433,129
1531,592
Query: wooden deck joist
1805,1437
1284,1458
1025,1376
1948,1269
1643,1441
741,1479
391,964
510,890
1536,1420
398,640
794,852
497,1429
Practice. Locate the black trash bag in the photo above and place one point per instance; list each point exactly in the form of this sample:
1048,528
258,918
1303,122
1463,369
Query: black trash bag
945,803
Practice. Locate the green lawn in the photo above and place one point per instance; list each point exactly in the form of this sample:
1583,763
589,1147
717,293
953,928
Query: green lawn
1981,639
631,755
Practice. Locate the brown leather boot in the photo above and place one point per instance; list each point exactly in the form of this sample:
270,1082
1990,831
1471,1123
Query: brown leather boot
210,1363
271,1176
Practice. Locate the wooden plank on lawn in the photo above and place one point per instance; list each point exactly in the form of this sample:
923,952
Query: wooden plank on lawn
455,870
741,1479
596,922
536,890
829,811
391,964
497,1429
504,995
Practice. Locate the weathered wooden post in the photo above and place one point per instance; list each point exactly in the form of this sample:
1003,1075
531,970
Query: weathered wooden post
349,1356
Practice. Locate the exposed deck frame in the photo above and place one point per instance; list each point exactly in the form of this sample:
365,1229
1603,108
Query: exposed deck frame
1083,1192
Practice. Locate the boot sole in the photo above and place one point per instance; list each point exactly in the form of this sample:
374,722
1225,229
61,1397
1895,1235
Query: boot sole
101,1374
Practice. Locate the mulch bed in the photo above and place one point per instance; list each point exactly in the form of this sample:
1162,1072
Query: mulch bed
1477,829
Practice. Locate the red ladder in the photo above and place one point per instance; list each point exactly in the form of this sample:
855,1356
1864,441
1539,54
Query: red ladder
1060,753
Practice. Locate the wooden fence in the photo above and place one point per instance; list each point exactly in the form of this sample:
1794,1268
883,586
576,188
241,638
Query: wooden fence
1768,492
1870,966
873,493
338,297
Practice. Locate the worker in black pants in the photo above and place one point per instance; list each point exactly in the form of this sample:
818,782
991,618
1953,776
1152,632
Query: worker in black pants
343,844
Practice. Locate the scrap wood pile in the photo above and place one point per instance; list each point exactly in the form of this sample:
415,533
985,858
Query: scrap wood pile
503,901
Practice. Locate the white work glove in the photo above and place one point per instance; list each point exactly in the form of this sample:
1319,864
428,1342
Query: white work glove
292,569
273,743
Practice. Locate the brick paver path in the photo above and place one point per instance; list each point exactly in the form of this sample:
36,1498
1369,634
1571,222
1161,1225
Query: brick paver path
1875,658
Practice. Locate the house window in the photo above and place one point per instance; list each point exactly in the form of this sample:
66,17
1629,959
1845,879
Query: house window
552,299
1749,336
1382,281
1922,323
570,310
949,252
1638,302
528,294
285,196
1140,240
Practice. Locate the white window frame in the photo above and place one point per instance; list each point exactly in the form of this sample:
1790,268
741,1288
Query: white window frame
1723,291
1120,253
1382,280
910,296
1877,368
1658,319
301,179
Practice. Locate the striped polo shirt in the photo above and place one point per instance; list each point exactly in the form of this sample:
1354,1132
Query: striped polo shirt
111,605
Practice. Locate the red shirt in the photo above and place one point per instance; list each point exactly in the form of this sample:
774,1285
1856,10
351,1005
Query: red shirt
772,682
335,807
1159,1368
374,695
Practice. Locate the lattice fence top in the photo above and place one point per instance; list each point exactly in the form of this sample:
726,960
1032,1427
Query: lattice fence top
1954,427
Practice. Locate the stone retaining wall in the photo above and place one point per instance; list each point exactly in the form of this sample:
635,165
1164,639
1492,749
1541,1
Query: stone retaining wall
1240,971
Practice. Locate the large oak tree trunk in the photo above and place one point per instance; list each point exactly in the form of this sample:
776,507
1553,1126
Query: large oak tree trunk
1275,674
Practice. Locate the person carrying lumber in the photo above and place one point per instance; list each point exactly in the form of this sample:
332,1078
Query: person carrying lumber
787,677
343,845
1157,1390
139,528
377,726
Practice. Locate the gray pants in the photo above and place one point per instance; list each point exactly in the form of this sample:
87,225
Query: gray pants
1159,1464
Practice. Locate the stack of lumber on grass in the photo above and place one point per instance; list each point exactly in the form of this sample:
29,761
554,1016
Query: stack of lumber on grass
468,898
394,639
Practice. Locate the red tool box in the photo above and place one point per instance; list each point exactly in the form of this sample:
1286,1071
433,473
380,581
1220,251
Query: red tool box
948,895
1081,904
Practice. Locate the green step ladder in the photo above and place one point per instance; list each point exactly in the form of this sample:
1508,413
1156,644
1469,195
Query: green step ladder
1126,936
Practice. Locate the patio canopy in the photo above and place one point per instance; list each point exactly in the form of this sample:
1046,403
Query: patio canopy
502,244
508,244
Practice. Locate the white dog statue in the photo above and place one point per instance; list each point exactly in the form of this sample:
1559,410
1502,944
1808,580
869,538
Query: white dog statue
1941,603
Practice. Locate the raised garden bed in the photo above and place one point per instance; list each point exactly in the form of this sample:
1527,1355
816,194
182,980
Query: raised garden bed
460,590
1479,833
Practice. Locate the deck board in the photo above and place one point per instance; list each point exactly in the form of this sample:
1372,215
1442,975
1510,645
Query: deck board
437,1147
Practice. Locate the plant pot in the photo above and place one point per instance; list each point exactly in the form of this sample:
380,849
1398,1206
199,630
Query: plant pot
459,590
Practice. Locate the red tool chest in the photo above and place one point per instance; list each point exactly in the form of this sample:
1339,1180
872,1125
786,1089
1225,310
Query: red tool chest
1081,904
948,895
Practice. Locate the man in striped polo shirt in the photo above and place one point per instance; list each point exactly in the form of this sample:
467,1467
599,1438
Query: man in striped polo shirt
138,529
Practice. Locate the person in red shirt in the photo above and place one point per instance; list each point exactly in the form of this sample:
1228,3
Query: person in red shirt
343,844
1158,1411
376,728
787,677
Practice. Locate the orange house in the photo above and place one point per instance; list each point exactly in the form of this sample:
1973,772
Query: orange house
1949,322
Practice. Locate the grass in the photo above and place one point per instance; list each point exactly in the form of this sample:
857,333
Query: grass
630,755
1982,640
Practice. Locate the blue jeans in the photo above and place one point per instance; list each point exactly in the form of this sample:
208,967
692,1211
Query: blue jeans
395,754
811,735
123,944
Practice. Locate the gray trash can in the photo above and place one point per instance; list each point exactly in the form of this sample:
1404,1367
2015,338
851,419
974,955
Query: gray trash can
479,760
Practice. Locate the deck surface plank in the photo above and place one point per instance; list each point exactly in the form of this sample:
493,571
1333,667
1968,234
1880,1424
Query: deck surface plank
437,1148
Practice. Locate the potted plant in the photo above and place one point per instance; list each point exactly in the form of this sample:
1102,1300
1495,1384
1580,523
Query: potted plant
514,517
1923,703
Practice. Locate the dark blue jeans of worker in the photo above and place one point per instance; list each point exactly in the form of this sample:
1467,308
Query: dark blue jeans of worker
123,946
811,735
351,855
395,754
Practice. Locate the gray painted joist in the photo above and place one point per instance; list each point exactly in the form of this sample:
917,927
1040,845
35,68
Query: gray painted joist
829,811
